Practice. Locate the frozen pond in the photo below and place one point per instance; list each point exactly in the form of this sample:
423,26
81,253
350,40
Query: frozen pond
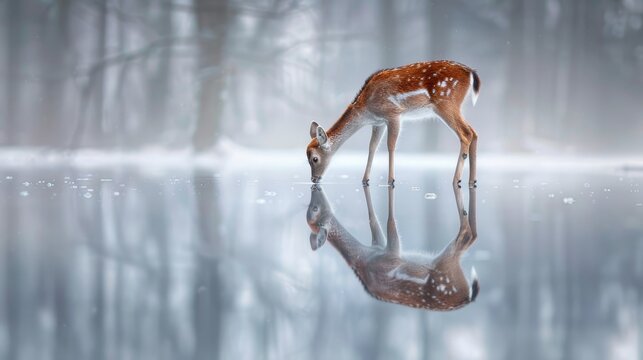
124,263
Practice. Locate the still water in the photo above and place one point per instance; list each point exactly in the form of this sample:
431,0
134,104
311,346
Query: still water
129,263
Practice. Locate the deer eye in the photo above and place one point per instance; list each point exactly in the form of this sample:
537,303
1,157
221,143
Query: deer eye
315,159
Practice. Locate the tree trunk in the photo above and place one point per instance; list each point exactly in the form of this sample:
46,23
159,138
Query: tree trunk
49,131
515,90
212,28
438,20
388,35
159,82
14,23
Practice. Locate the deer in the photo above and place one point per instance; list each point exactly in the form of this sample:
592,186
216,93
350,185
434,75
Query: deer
388,97
390,275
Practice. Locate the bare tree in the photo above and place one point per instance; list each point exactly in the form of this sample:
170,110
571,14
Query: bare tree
213,28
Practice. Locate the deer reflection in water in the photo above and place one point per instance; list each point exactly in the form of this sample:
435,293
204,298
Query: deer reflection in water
411,279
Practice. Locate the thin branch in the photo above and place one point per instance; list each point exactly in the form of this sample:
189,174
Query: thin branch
291,6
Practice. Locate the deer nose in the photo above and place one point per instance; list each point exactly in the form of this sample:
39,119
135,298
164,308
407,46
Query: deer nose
315,179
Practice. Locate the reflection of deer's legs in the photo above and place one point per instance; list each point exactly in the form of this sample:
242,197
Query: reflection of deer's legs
472,213
376,230
393,241
466,234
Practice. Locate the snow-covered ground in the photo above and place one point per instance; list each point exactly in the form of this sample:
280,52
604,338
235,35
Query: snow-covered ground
235,157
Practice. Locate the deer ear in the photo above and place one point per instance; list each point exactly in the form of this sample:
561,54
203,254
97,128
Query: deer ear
317,240
313,129
321,136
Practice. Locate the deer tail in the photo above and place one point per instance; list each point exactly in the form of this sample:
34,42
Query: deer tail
475,285
475,86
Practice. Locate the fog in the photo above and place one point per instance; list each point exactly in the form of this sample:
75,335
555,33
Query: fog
557,76
155,196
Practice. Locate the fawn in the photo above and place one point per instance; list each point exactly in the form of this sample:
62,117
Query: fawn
388,97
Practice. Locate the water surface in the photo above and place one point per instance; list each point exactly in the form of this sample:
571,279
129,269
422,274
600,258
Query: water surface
128,263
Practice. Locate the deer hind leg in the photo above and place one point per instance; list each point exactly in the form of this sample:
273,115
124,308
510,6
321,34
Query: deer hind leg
466,135
376,137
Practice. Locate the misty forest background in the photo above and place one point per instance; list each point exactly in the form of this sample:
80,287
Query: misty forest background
115,74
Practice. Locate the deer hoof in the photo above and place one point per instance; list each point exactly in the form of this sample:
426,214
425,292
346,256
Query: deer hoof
459,184
392,183
365,182
473,184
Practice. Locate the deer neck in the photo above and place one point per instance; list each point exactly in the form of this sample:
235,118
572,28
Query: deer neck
344,128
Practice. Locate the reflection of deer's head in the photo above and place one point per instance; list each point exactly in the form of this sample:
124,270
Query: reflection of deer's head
318,217
416,280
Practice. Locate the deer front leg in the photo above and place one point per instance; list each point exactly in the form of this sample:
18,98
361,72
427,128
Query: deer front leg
376,137
393,133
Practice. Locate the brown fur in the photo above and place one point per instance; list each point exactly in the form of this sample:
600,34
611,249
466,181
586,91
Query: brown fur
387,94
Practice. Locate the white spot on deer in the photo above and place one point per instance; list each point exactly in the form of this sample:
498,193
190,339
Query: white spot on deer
442,288
400,97
442,84
448,92
455,83
433,91
441,93
423,70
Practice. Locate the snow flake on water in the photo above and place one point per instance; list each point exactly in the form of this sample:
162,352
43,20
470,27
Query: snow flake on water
551,196
569,200
8,177
87,195
415,188
261,201
50,184
116,193
270,193
24,193
26,183
430,196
